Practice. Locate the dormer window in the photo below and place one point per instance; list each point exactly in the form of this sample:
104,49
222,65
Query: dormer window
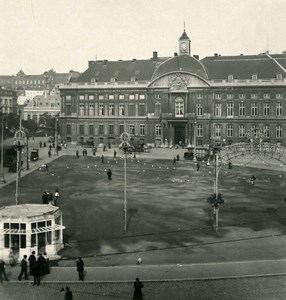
94,79
254,77
230,78
113,79
279,76
134,79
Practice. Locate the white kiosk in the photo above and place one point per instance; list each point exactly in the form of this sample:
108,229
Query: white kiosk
30,227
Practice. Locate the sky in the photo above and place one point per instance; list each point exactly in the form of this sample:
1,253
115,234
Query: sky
39,35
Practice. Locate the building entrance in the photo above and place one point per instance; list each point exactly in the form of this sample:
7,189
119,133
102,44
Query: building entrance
179,133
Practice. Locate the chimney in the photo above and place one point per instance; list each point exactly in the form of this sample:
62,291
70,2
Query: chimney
134,59
105,62
196,57
175,54
90,63
155,55
215,55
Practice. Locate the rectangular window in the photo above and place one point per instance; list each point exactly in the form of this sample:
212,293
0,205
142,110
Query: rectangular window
218,109
241,96
279,132
229,96
81,129
157,109
91,109
254,109
242,109
278,109
157,96
81,109
141,110
266,109
266,96
199,96
121,97
254,96
91,129
101,97
121,128
81,97
142,129
141,97
121,109
101,129
241,131
90,97
111,97
131,129
179,109
217,130
101,109
68,109
131,111
279,96
111,109
266,131
199,109
229,131
229,109
111,129
217,96
131,97
199,130
68,129
158,130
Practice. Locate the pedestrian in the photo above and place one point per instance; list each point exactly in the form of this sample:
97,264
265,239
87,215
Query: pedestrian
56,197
178,157
2,271
104,148
229,165
83,152
65,145
138,285
80,268
32,261
45,145
109,174
68,294
77,154
37,274
114,154
198,167
49,153
46,268
24,268
252,179
47,168
50,147
53,145
40,144
102,159
41,264
174,161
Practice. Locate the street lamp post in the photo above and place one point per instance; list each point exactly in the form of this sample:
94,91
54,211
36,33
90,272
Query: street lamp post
56,137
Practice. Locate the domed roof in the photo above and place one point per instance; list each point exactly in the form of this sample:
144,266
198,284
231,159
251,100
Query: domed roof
181,63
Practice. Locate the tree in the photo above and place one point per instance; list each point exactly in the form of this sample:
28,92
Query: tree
30,125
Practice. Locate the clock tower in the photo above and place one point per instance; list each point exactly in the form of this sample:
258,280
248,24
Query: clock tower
184,44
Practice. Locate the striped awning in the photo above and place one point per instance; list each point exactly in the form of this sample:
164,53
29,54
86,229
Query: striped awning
34,230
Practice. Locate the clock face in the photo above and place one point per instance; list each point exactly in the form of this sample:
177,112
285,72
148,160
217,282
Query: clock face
184,46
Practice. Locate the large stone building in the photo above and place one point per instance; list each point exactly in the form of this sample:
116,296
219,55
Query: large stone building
177,99
8,101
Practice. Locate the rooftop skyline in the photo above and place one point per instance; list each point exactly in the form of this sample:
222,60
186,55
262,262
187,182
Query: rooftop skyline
64,34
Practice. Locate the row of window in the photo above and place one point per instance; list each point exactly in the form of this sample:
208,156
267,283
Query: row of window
110,97
241,130
241,109
29,81
5,101
111,129
243,96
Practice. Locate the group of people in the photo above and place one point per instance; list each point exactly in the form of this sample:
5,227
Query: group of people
51,199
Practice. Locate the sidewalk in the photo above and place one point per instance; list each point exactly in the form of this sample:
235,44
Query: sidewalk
204,271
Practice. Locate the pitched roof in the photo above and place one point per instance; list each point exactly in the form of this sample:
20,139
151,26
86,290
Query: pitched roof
103,71
244,66
184,36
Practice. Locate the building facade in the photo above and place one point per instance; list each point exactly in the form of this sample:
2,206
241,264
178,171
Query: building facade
179,99
8,101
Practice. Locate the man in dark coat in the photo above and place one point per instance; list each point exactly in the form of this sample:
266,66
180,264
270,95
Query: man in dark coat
24,268
109,174
80,268
68,294
138,285
37,274
2,271
32,261
41,265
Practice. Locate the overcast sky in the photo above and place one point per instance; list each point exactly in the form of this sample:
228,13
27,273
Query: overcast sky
37,35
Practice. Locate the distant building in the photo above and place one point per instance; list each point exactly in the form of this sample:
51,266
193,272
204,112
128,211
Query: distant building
179,99
8,101
40,105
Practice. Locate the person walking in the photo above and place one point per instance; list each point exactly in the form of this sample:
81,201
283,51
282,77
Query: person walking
138,285
109,174
2,271
49,153
114,154
252,179
174,161
68,294
102,159
80,268
56,197
77,154
37,274
198,167
32,261
47,264
24,268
